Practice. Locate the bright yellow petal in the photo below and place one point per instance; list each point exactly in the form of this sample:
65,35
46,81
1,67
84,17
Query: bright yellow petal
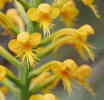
15,46
55,13
44,7
32,14
49,97
37,97
23,37
85,71
35,39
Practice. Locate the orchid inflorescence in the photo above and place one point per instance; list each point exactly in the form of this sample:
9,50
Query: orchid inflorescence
23,23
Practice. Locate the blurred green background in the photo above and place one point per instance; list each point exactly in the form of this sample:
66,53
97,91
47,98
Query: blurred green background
97,80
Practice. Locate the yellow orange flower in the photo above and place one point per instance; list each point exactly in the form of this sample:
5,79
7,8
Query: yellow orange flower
44,14
3,2
24,46
3,72
78,39
69,71
69,12
43,97
90,4
15,18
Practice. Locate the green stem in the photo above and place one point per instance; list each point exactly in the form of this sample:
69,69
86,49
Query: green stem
25,4
23,93
49,48
35,73
14,80
38,71
35,3
9,57
21,11
43,85
50,38
6,22
9,86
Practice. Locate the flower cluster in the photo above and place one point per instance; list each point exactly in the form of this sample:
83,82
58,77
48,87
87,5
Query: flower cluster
24,21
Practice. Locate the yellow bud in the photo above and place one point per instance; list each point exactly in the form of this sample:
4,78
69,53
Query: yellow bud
23,37
3,72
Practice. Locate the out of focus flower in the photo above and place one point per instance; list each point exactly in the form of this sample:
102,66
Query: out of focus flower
59,3
43,97
3,72
24,46
90,4
44,14
69,12
68,71
3,2
2,96
4,90
78,39
16,19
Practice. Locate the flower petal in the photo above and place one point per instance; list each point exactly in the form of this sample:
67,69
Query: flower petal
35,39
36,97
55,13
44,7
23,37
32,14
15,46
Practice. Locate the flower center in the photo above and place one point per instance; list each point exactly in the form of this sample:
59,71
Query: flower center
64,73
27,46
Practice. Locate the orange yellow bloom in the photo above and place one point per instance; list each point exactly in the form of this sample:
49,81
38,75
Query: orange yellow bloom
15,18
24,46
90,4
43,97
3,2
69,12
3,72
44,14
78,39
69,71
